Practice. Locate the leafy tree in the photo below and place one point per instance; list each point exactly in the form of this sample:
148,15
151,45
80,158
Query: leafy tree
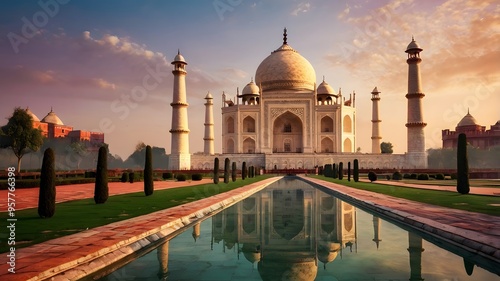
244,170
101,192
47,192
386,147
20,135
355,172
216,170
148,172
372,176
233,172
227,167
462,165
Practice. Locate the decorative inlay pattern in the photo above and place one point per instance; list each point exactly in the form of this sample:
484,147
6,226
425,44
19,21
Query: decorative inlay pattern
275,112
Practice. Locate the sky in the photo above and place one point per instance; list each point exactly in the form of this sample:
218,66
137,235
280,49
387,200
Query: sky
105,65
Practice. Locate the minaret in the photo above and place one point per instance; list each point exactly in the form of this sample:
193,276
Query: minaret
375,122
376,231
416,156
180,159
415,249
209,126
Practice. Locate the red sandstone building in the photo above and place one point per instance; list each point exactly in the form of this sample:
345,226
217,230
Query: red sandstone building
53,128
477,135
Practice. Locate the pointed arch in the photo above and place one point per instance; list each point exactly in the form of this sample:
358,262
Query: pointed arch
347,145
249,125
347,124
230,146
249,145
287,133
326,145
326,124
230,125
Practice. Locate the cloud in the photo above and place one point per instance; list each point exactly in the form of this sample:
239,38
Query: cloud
103,84
459,39
301,8
345,12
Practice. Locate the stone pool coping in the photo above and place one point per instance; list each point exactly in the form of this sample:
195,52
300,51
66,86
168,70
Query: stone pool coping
476,232
78,255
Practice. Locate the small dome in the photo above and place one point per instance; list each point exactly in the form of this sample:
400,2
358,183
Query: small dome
468,120
375,90
33,116
52,118
208,96
325,89
413,46
179,58
251,89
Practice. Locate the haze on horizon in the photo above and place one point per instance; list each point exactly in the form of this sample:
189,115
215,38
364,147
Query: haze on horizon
89,59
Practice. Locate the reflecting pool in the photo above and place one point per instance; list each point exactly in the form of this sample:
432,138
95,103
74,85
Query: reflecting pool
293,231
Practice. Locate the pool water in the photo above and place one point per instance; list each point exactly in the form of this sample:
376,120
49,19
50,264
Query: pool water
292,231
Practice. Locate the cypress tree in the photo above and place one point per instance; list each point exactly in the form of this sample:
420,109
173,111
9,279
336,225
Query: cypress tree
355,172
328,172
335,173
233,172
462,165
341,170
227,167
101,180
216,170
244,170
148,172
47,192
348,171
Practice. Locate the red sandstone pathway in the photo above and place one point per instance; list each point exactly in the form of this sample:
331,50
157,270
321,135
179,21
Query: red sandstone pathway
28,197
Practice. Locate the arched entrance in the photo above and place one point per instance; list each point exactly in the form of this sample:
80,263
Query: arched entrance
287,134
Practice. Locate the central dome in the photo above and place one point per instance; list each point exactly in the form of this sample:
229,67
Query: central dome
285,69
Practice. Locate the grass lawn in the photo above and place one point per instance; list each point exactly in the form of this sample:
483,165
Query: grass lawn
75,216
472,203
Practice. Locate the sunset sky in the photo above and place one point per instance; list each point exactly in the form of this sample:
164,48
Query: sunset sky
83,58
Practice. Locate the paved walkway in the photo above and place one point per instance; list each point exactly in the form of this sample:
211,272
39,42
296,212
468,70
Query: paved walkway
95,248
473,189
28,197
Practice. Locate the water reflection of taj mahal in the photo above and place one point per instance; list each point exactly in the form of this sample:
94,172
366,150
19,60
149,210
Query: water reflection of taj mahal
288,231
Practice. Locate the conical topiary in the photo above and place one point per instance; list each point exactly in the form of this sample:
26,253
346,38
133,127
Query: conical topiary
148,172
101,192
47,192
216,170
462,165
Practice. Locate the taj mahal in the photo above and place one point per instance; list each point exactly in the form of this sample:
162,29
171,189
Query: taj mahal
285,119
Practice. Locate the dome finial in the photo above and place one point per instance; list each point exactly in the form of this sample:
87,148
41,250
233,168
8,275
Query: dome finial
284,37
323,78
412,38
468,111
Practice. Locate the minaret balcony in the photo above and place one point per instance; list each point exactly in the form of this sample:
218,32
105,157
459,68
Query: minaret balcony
416,124
415,95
